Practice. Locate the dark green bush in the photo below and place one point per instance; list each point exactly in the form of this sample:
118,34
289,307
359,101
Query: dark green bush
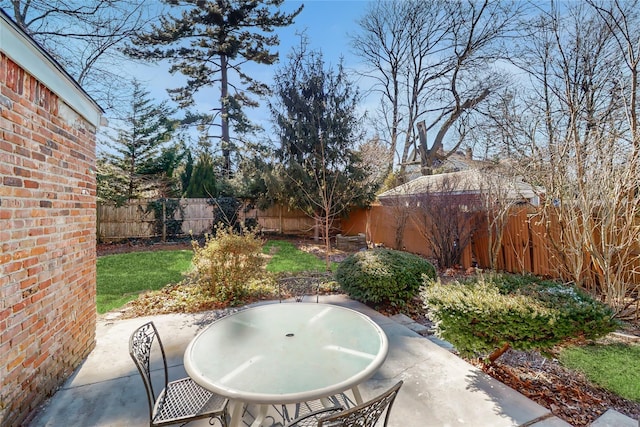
522,312
165,211
383,276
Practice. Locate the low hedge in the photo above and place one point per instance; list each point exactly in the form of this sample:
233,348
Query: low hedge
383,276
490,315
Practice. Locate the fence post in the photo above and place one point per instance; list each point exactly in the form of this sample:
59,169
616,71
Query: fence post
164,220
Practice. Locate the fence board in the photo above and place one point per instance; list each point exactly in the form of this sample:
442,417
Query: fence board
524,247
198,216
136,220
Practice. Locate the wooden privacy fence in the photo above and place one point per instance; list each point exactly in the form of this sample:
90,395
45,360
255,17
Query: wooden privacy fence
525,245
144,218
523,249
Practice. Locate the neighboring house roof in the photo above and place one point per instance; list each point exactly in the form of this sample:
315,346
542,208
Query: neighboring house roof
472,181
16,44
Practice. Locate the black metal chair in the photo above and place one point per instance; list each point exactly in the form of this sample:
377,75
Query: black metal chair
364,415
179,402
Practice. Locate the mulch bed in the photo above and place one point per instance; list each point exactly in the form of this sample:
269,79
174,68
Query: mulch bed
567,394
141,245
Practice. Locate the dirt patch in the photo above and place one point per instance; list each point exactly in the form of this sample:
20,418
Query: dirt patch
141,245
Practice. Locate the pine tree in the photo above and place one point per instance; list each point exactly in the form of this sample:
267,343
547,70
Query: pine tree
141,157
203,179
208,41
319,168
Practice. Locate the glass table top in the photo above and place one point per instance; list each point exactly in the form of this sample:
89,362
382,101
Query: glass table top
285,353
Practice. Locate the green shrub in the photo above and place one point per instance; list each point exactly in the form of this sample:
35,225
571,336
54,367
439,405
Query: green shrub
227,263
383,276
498,312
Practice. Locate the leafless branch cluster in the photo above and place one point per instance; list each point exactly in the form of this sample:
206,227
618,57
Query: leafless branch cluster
84,36
579,122
431,63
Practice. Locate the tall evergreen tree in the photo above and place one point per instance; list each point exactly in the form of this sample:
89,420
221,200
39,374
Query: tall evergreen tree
319,168
187,172
141,157
202,182
208,41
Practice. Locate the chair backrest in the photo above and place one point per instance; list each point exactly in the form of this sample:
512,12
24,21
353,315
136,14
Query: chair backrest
298,287
140,345
366,414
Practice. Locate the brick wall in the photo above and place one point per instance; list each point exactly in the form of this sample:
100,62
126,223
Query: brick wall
47,241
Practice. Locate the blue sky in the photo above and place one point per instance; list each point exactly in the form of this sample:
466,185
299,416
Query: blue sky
327,24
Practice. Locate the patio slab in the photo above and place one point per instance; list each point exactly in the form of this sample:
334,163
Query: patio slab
440,389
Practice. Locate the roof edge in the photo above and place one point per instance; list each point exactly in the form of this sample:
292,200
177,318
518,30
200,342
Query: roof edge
28,54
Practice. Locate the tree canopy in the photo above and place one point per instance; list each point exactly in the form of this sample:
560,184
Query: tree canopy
84,37
432,62
141,157
315,111
209,42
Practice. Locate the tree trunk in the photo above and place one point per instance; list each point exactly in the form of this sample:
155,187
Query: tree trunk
499,352
426,164
224,116
429,155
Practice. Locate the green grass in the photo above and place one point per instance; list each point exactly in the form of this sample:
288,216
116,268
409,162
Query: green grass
121,277
286,258
615,367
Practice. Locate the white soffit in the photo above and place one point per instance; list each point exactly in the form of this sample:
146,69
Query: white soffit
34,60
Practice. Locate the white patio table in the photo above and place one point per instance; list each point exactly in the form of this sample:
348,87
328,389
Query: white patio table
285,353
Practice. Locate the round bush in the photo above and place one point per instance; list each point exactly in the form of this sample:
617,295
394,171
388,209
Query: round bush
383,276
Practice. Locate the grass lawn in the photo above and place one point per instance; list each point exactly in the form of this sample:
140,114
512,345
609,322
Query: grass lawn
286,258
122,277
615,367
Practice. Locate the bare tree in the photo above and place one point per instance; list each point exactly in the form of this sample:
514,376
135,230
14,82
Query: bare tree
584,147
446,212
374,154
84,36
382,45
431,62
500,192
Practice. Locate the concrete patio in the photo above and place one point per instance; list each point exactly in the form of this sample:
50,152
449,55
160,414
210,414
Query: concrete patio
439,388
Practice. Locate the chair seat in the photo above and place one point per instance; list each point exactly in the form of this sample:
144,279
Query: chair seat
185,400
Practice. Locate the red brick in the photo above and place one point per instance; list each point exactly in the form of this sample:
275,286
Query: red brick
12,267
11,181
28,282
19,307
48,287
